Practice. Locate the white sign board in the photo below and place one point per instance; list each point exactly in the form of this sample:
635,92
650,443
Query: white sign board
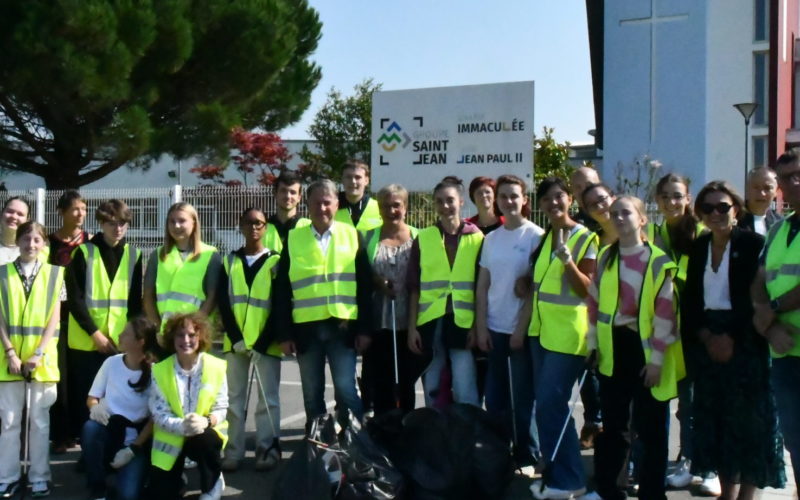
420,136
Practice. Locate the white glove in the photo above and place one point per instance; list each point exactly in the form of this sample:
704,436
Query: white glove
122,457
240,347
194,424
99,412
563,254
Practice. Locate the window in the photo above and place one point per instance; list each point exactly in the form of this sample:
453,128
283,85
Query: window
759,152
761,87
761,18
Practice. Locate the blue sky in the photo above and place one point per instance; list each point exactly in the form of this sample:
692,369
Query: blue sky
436,43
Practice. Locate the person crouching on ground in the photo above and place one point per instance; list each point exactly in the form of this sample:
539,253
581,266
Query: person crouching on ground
189,403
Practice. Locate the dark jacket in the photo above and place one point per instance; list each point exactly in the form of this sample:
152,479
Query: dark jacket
229,323
770,218
75,282
282,326
744,261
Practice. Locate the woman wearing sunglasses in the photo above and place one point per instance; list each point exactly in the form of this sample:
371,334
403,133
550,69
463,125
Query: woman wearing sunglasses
735,424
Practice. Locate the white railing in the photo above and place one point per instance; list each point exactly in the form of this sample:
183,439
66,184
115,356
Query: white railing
218,207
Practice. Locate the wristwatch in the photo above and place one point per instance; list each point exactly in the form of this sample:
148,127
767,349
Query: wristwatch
209,421
775,304
38,352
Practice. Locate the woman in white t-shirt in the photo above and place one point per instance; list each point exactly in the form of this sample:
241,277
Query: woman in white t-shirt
119,428
504,259
15,213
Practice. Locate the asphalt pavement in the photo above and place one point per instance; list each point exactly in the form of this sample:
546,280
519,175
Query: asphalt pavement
247,484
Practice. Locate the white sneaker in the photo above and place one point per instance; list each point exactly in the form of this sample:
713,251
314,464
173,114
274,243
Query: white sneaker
710,486
548,493
681,477
215,493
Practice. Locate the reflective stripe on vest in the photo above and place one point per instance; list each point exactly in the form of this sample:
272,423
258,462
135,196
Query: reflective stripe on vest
323,286
272,239
179,283
782,266
26,318
370,217
559,315
250,305
658,234
106,300
438,280
372,238
166,445
658,265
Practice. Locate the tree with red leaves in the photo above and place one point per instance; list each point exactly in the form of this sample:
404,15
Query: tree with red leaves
261,154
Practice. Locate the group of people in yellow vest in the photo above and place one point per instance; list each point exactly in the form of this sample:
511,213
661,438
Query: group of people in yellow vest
488,310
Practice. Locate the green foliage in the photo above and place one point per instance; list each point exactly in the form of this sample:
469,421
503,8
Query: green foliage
342,129
550,157
87,86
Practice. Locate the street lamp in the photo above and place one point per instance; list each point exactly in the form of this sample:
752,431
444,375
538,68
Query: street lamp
746,109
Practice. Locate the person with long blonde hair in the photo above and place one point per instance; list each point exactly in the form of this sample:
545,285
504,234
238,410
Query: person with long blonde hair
182,274
632,314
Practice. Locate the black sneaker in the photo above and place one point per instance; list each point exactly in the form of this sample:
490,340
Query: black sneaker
40,489
7,490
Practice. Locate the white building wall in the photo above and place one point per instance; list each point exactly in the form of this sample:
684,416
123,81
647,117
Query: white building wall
157,175
667,121
729,81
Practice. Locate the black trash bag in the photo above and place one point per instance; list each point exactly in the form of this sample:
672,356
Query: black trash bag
427,454
314,472
368,472
491,463
303,477
461,453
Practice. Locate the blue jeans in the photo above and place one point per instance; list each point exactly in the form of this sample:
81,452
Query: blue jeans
554,376
129,479
462,366
498,400
785,377
327,342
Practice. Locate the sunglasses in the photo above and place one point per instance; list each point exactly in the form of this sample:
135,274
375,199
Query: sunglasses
721,208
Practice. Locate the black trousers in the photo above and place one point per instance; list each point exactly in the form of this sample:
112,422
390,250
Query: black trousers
379,363
83,367
206,450
60,429
624,399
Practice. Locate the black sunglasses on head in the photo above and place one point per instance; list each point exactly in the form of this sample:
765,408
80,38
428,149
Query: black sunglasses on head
721,208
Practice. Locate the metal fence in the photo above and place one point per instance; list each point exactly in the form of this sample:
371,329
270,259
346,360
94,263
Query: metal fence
218,207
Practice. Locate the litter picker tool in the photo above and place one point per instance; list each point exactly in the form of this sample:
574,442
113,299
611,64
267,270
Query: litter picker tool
394,348
548,465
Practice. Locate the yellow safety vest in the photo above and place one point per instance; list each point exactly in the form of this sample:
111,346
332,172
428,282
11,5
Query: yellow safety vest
27,318
438,280
559,315
250,306
323,286
272,239
658,234
370,217
179,283
373,237
106,300
783,274
166,445
673,368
